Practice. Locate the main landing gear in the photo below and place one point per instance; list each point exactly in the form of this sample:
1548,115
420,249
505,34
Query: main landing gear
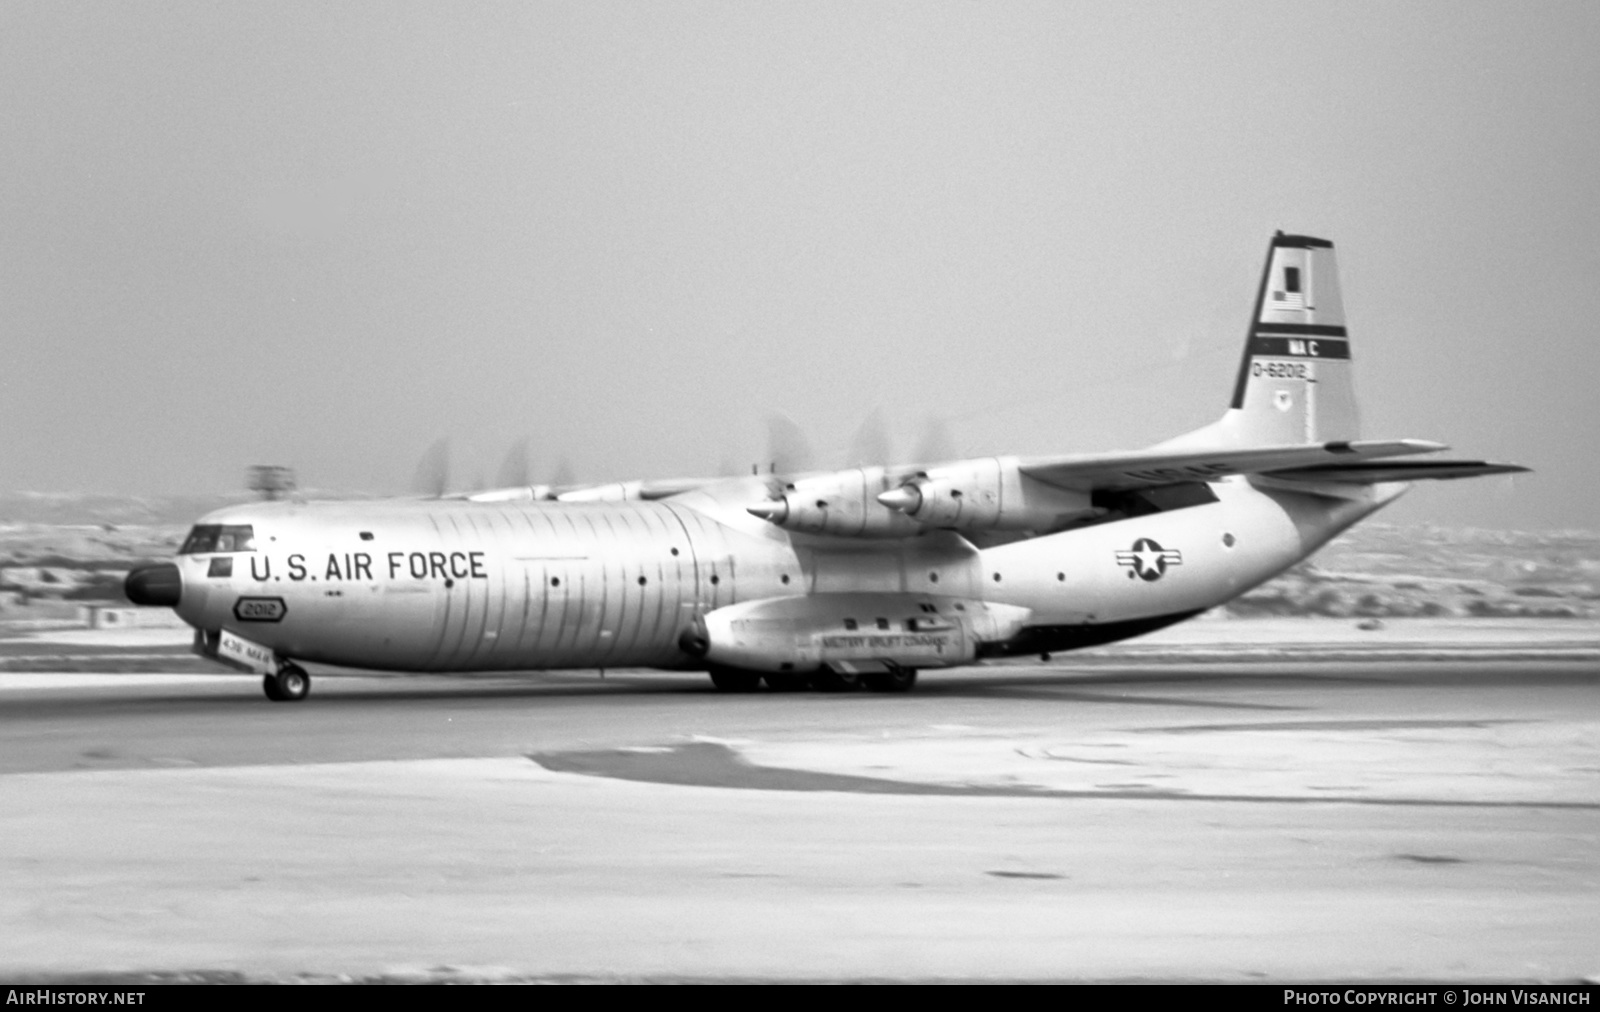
895,679
289,684
734,680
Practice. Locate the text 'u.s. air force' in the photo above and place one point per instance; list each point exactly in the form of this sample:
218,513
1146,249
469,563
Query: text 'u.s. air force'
348,566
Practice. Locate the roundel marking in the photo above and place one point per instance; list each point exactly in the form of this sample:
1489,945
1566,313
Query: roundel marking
1147,560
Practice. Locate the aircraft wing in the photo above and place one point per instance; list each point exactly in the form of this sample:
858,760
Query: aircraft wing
666,488
652,488
1145,468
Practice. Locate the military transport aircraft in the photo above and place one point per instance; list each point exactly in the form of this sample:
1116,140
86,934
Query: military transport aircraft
828,579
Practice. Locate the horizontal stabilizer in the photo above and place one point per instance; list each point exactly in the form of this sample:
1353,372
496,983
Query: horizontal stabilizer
1395,470
1145,468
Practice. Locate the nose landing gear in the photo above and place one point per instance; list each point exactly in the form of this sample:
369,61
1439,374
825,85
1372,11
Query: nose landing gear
282,680
289,684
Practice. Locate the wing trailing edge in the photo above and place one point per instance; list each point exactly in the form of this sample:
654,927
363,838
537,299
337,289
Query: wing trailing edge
1377,472
1147,468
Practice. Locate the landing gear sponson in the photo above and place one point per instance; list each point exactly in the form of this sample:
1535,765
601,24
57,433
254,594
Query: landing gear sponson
894,679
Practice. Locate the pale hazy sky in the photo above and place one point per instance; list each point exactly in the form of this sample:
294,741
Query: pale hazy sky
326,235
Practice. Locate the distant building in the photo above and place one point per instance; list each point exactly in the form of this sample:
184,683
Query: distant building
113,616
40,581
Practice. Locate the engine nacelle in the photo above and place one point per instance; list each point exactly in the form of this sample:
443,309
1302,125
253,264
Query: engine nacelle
842,503
990,493
842,630
521,493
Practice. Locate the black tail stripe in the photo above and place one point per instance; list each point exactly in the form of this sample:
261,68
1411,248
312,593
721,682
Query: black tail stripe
1300,242
1295,347
1299,329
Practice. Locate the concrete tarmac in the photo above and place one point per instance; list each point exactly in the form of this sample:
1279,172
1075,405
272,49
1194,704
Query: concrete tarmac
1087,819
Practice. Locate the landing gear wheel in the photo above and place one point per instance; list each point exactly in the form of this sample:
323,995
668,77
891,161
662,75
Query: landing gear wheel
289,685
834,681
893,680
786,681
734,680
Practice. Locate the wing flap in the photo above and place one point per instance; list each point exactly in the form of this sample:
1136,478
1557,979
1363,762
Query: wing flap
1395,470
1146,468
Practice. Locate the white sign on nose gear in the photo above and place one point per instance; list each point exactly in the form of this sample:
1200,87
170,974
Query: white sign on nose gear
243,653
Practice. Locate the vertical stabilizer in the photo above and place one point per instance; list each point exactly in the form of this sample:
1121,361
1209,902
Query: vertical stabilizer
1294,382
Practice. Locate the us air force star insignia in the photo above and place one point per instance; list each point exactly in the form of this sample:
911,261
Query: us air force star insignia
1148,560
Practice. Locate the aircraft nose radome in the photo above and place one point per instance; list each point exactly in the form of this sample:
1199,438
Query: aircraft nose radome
159,585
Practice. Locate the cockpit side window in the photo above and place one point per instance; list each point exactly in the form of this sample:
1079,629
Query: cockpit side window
202,538
236,538
205,538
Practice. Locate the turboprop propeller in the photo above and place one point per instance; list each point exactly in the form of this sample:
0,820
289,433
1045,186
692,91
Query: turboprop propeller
871,444
515,469
432,477
841,502
789,457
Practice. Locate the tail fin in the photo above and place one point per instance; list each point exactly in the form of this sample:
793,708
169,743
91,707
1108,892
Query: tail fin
1295,386
1294,382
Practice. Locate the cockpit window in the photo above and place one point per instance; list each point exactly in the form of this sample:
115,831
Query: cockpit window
219,538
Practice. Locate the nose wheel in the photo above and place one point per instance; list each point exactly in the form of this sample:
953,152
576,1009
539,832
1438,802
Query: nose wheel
289,684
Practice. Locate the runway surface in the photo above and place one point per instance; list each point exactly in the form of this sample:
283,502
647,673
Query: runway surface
1096,819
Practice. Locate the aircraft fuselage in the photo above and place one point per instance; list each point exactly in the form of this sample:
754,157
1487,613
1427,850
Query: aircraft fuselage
468,586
